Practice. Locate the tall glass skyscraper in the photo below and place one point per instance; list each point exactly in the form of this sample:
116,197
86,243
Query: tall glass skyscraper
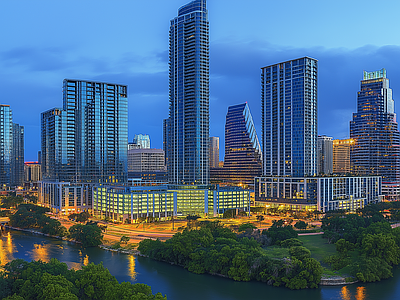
375,131
214,152
242,160
87,140
17,167
324,154
142,141
289,118
5,144
188,140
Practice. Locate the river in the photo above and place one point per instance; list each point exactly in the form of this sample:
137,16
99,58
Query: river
176,282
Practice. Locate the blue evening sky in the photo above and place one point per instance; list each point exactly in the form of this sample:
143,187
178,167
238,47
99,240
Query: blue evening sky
126,41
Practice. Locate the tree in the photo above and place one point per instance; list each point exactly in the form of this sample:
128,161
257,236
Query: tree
300,252
124,239
88,235
301,225
54,227
246,226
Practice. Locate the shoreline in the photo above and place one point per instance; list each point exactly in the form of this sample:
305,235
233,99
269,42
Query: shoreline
334,281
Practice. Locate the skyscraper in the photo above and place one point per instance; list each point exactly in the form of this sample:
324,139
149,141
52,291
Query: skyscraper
324,155
188,141
375,130
242,161
6,141
17,162
214,151
86,141
289,118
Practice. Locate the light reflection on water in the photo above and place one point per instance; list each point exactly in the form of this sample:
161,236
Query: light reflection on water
132,263
6,248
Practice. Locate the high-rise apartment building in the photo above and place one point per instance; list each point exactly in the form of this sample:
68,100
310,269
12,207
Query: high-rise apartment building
32,171
214,151
324,155
85,142
341,156
289,118
375,131
188,139
17,162
6,141
242,161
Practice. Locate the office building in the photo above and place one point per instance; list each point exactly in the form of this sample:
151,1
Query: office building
375,132
324,155
128,204
142,141
242,161
6,141
318,193
289,118
147,164
188,138
214,152
17,161
85,142
341,156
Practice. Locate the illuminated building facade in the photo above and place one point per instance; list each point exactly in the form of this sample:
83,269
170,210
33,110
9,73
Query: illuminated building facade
32,171
341,156
188,138
318,193
375,131
147,164
242,161
86,142
289,118
324,154
127,204
142,141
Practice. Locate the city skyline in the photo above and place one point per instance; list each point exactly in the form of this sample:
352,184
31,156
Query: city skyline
35,58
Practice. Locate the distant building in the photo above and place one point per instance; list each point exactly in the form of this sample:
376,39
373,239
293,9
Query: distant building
84,143
147,164
324,154
32,171
374,130
214,152
242,161
341,156
142,141
188,133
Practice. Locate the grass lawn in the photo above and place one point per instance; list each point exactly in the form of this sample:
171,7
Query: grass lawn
318,246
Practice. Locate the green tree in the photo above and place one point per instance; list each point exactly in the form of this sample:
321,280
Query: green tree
88,235
54,227
260,218
246,226
300,252
124,239
301,225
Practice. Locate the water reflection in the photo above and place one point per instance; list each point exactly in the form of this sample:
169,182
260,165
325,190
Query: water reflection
6,249
86,260
132,271
40,252
361,293
345,293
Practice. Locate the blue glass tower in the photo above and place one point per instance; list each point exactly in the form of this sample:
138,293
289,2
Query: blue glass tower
375,131
188,140
289,118
6,141
87,140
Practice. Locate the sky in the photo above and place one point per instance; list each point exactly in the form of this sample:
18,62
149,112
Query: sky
126,41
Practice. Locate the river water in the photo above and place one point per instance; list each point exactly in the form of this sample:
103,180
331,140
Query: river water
176,282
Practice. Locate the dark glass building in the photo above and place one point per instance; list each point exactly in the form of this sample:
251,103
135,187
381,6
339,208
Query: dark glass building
6,141
289,118
17,167
242,160
188,140
375,131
